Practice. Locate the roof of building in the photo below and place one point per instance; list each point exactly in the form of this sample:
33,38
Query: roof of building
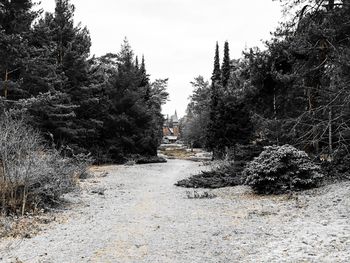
171,119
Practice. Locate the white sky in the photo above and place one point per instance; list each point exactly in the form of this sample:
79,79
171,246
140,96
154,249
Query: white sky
177,37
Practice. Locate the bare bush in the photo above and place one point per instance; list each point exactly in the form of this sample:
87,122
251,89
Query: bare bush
32,176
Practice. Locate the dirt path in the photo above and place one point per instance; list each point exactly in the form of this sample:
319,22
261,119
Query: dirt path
143,217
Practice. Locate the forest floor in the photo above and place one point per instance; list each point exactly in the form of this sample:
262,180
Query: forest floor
136,214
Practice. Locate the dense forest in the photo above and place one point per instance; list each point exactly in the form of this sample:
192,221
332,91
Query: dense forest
103,105
62,109
293,96
295,92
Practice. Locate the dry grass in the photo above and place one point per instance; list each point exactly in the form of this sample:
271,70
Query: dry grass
194,194
177,153
25,226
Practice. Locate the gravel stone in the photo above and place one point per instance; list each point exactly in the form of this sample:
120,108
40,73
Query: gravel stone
143,217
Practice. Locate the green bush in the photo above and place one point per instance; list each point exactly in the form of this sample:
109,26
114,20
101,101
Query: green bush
279,169
223,175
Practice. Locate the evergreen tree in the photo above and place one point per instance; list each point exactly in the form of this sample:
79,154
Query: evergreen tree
42,74
226,66
16,18
158,96
128,116
70,46
145,83
197,116
214,131
216,76
143,74
137,66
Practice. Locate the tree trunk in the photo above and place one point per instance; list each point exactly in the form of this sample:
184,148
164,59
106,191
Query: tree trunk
312,105
24,200
3,185
330,132
5,83
274,104
315,139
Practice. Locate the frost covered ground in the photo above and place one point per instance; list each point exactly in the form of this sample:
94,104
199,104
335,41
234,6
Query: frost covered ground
136,214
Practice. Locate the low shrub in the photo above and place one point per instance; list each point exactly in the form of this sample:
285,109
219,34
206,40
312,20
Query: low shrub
32,176
225,174
279,169
150,159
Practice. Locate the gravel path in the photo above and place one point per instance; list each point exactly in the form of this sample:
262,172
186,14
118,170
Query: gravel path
136,214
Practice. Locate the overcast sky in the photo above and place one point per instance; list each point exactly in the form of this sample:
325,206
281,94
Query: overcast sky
177,37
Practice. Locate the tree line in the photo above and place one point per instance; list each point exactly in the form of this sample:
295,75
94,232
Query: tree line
103,105
295,92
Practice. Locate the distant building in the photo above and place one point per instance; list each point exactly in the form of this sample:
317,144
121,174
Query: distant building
171,131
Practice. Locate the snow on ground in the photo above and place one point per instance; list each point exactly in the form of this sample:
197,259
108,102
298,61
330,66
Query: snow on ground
136,214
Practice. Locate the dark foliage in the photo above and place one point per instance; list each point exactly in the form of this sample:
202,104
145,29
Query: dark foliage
195,123
229,174
295,92
214,127
226,68
279,169
338,168
106,106
149,159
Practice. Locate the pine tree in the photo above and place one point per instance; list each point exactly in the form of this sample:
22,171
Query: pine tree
143,74
214,128
197,113
16,18
106,106
137,66
226,66
72,45
42,74
216,76
128,116
144,81
57,62
143,67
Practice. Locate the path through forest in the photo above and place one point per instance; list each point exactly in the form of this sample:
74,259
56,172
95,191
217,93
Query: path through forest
136,214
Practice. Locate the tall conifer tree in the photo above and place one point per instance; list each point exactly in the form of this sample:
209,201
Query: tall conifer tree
216,72
213,129
143,73
69,45
16,18
137,63
225,66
